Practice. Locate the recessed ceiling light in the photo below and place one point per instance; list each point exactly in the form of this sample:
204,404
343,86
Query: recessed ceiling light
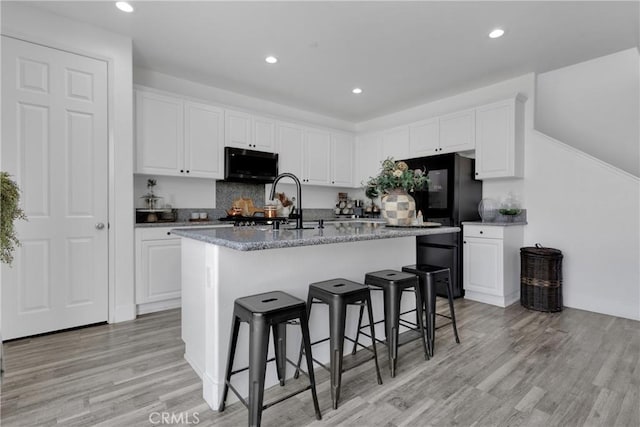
498,32
357,91
271,59
124,6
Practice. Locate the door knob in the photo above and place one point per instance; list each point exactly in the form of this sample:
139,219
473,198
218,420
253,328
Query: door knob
99,226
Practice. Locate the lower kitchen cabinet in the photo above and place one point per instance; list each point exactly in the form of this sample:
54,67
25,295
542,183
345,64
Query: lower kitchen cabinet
491,263
158,269
158,272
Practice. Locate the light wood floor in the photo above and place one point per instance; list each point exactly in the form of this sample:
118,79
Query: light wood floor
513,367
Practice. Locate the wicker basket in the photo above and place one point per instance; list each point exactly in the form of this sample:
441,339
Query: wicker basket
541,278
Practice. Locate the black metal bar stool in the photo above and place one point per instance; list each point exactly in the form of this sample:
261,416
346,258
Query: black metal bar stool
393,284
337,294
262,312
429,275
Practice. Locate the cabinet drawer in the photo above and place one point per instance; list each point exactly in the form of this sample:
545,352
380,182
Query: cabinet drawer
484,231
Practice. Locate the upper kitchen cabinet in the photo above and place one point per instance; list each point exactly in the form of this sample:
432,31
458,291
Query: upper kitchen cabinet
457,132
445,134
290,148
317,157
177,137
342,161
368,157
203,140
244,130
159,134
424,138
500,139
395,143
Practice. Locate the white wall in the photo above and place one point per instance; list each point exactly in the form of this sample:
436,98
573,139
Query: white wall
591,211
178,191
594,106
52,30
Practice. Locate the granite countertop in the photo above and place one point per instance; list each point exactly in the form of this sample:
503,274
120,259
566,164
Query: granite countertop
496,223
264,237
211,223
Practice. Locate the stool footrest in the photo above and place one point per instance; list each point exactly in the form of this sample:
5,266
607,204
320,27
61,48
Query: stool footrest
268,405
328,369
268,360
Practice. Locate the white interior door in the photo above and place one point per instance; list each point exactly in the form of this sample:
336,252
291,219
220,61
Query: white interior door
54,143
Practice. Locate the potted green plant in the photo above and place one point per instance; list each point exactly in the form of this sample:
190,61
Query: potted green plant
9,212
394,183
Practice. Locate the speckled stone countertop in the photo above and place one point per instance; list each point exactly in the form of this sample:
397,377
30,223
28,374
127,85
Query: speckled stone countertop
263,237
183,224
497,223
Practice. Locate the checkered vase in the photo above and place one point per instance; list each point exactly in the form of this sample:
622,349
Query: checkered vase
398,207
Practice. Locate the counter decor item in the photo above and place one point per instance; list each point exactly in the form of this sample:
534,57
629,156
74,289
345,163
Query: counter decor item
10,212
394,182
488,209
510,207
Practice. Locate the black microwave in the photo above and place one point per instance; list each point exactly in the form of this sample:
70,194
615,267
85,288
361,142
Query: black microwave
249,165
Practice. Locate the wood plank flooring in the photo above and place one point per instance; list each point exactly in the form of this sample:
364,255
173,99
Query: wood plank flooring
513,367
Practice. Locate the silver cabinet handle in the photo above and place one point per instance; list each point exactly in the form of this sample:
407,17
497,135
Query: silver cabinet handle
99,226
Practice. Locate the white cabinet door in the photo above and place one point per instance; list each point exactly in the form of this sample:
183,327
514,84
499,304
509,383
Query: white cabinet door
368,157
424,138
342,163
264,134
499,139
290,149
158,265
482,269
159,134
317,157
203,141
395,143
237,129
457,132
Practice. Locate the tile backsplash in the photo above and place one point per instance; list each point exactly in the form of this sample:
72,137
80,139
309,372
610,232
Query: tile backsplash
227,192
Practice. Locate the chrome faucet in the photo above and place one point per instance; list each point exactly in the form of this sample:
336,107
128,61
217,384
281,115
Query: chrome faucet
298,195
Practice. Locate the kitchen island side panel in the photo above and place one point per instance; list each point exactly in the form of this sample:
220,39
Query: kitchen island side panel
227,274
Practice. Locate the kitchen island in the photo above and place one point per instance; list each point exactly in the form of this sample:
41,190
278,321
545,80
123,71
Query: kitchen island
222,264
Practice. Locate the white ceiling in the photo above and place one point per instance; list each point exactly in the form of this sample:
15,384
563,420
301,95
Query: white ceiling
401,53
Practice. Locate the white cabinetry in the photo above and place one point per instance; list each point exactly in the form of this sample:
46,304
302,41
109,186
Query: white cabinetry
395,143
342,162
445,134
500,139
158,272
158,268
457,132
249,131
368,157
177,137
491,263
315,156
424,138
290,148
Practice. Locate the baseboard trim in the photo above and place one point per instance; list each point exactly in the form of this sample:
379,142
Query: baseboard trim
152,307
124,313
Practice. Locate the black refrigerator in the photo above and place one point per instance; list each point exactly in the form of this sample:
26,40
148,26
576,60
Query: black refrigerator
452,197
